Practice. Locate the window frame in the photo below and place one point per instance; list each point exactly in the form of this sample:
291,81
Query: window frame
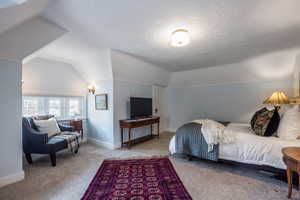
43,105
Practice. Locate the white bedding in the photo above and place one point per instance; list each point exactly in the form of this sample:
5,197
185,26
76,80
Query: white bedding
215,133
250,148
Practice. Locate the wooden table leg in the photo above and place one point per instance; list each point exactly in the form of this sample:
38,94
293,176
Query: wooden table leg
129,138
290,184
122,137
299,183
151,129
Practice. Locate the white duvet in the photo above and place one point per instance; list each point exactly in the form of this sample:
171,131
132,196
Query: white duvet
250,148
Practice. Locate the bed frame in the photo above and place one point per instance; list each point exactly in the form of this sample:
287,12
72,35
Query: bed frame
276,173
279,174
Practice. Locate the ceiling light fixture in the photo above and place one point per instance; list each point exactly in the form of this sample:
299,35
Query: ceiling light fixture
180,37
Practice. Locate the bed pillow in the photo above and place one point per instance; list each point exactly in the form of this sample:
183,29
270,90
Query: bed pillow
265,122
49,126
289,128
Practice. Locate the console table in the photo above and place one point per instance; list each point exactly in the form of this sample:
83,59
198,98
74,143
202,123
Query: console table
135,123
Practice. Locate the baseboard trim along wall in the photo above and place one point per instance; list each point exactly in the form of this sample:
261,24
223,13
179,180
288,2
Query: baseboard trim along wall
170,130
100,143
11,179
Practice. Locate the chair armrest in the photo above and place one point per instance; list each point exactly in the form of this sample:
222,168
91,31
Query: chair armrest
65,128
37,137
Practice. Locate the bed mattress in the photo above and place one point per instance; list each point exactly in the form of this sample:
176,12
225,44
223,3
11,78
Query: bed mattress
250,148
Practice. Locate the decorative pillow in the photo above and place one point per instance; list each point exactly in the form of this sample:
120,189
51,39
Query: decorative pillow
49,126
289,128
265,122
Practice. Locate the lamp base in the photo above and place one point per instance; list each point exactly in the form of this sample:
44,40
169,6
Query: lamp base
277,108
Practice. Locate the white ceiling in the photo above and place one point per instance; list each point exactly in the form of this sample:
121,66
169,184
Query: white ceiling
92,63
222,31
12,16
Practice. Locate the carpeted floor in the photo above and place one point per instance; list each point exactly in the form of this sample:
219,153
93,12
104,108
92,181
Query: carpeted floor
204,180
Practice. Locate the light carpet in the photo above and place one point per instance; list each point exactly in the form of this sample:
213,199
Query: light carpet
203,180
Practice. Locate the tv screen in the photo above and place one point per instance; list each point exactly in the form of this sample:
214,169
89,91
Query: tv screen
140,107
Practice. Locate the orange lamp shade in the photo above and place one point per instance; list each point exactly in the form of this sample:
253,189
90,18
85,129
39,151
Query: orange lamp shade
277,98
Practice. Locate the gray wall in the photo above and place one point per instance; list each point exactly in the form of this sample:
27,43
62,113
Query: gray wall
231,92
100,122
132,78
47,77
10,119
123,90
15,44
227,102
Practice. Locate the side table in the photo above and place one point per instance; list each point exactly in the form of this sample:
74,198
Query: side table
291,157
77,125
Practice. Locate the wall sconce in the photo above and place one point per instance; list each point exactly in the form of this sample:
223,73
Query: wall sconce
92,89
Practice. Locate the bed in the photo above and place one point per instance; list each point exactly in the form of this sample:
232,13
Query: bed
250,148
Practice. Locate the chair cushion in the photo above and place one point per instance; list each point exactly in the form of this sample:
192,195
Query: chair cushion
56,144
49,126
72,138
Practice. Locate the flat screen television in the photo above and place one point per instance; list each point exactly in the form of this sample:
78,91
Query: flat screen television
140,107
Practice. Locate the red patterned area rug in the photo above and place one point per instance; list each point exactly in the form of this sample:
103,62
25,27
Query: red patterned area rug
136,179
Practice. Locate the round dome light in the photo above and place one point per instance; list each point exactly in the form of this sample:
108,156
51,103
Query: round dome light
180,38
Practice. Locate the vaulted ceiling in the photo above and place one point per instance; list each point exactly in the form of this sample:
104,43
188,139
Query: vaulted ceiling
222,31
15,15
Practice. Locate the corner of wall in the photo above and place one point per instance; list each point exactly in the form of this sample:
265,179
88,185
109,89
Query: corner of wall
10,122
13,178
28,37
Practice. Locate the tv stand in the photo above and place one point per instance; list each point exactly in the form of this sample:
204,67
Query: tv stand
135,123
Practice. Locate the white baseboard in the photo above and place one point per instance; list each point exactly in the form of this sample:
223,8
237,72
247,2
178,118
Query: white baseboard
84,140
100,143
118,146
171,130
11,179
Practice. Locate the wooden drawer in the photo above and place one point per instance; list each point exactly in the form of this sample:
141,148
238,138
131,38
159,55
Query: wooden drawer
135,124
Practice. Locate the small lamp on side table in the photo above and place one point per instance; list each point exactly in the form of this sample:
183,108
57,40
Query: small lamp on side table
277,99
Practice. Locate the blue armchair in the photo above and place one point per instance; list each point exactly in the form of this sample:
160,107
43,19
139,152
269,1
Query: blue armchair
35,142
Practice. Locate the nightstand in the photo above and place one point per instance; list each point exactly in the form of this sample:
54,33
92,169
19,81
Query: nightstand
291,157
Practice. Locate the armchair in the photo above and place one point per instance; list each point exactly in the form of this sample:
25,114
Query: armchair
35,142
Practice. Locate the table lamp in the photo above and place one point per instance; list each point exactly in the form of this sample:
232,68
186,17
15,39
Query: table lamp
276,99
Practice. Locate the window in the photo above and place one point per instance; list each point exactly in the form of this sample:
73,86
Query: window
55,107
62,107
74,110
30,107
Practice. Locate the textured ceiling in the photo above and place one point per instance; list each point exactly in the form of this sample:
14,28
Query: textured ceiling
85,57
222,31
12,16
